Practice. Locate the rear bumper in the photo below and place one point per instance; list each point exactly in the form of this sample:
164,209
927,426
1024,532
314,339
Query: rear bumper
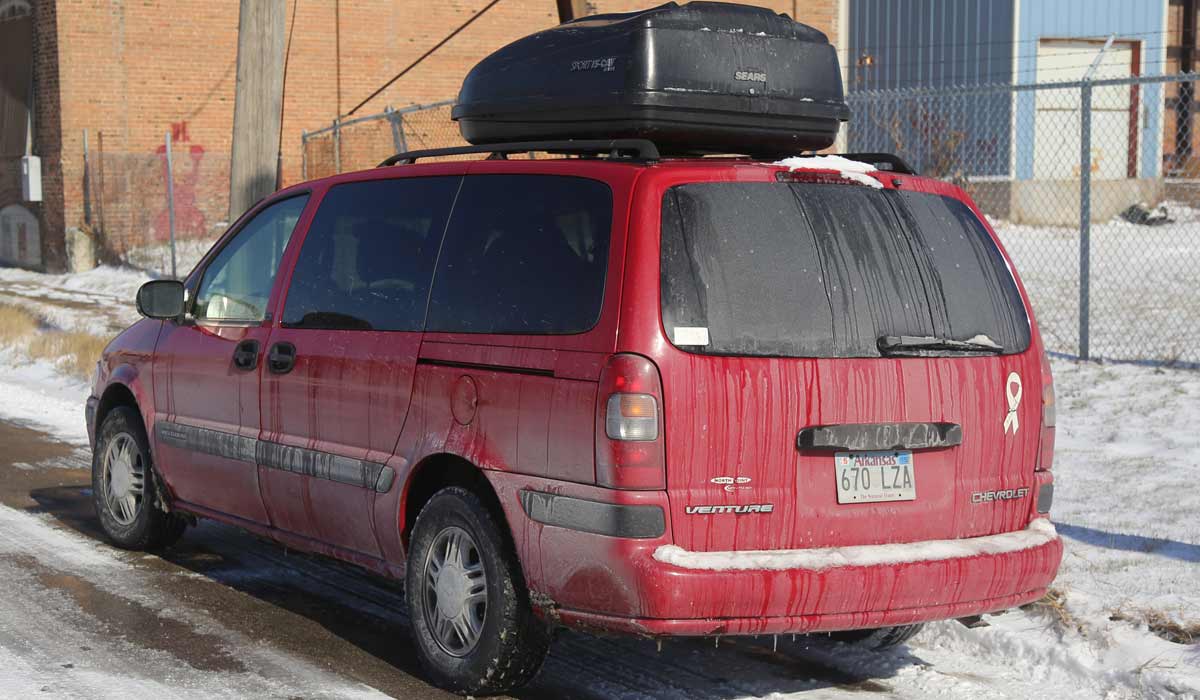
763,593
790,624
643,585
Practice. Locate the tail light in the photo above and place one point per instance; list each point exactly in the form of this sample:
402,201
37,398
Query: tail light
629,419
1049,416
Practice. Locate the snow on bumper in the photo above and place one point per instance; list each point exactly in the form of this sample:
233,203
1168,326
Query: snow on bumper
1039,532
600,578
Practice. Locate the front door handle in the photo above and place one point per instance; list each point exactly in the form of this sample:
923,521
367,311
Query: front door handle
245,355
281,358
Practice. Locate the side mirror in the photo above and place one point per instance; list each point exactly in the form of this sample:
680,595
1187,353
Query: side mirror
161,299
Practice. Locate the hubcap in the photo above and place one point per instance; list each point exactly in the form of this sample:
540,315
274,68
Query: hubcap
455,591
122,478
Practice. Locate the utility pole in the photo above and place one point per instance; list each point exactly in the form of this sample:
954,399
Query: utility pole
571,9
258,103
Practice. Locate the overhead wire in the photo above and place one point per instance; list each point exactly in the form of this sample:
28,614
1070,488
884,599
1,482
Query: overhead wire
423,56
287,55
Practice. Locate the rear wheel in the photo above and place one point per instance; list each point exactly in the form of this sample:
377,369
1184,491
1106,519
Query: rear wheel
474,628
880,638
124,489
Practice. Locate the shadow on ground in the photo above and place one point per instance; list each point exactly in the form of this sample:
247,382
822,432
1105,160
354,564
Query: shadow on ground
368,612
1131,543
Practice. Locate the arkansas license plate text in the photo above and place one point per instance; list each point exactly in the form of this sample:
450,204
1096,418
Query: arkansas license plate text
874,477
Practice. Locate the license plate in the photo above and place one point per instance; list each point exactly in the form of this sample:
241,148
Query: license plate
874,477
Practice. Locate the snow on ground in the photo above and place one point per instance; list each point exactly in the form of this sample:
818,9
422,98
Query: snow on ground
51,642
157,257
100,301
1144,298
38,395
1126,505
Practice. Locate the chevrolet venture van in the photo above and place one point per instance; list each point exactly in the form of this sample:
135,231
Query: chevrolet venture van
620,388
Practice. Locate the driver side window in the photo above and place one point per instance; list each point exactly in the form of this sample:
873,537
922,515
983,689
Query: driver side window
237,283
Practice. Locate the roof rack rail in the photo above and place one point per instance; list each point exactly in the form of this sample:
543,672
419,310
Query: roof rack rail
895,163
636,149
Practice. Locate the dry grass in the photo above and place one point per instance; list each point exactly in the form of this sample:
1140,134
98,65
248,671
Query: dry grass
1161,624
1054,606
74,352
15,325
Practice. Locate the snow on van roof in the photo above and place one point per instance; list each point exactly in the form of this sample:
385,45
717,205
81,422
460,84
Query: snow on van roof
849,169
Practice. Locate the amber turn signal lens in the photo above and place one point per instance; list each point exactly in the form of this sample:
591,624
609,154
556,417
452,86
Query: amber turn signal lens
632,417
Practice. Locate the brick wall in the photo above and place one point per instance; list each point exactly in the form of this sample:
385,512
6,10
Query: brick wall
130,72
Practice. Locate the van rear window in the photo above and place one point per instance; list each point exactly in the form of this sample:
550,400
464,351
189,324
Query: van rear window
826,270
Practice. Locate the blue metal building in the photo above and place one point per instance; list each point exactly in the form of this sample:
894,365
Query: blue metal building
900,44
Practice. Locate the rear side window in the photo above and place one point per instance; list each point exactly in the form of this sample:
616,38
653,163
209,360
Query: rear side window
523,254
825,270
368,257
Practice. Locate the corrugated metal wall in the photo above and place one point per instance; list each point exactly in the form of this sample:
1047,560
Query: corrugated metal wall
928,43
935,43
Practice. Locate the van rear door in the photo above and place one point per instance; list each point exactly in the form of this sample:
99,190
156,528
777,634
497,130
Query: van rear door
846,365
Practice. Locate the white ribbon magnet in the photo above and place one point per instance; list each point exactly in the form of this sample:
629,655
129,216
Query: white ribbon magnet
1012,391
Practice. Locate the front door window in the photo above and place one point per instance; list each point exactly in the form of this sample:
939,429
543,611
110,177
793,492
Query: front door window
237,284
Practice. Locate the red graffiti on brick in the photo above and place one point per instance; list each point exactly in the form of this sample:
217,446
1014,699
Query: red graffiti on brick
189,220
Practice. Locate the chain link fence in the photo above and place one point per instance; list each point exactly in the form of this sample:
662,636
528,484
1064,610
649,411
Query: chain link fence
1089,186
1092,187
360,143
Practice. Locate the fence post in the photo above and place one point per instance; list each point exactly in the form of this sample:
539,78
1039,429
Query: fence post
337,146
1085,213
397,130
171,205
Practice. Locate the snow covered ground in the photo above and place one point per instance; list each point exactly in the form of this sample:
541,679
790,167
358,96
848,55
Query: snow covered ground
1127,501
57,584
1145,301
100,301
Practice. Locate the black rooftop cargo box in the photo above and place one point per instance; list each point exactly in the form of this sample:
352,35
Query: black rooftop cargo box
705,77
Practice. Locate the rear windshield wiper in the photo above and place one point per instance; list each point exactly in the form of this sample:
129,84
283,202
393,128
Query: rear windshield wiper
921,344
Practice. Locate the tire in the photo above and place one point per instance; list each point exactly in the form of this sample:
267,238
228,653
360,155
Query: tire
121,464
878,639
503,644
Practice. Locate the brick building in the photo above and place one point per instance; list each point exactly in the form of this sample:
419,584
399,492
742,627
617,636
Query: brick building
127,73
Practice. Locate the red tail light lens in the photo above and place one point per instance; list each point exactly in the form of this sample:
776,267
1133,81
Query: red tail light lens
629,436
1049,418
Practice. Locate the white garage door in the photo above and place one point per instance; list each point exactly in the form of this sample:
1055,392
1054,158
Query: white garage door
1056,141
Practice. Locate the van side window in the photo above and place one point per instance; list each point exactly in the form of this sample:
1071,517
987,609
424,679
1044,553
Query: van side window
523,254
369,254
237,283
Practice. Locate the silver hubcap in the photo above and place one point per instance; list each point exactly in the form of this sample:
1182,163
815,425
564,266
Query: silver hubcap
122,478
455,591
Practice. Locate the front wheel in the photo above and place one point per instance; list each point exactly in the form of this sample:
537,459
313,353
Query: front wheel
123,487
474,628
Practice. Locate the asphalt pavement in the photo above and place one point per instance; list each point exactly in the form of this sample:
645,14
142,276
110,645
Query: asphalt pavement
317,616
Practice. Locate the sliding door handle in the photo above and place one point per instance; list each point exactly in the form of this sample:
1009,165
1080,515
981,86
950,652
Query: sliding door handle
281,358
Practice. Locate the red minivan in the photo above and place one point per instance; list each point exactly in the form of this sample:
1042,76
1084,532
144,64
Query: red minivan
631,394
